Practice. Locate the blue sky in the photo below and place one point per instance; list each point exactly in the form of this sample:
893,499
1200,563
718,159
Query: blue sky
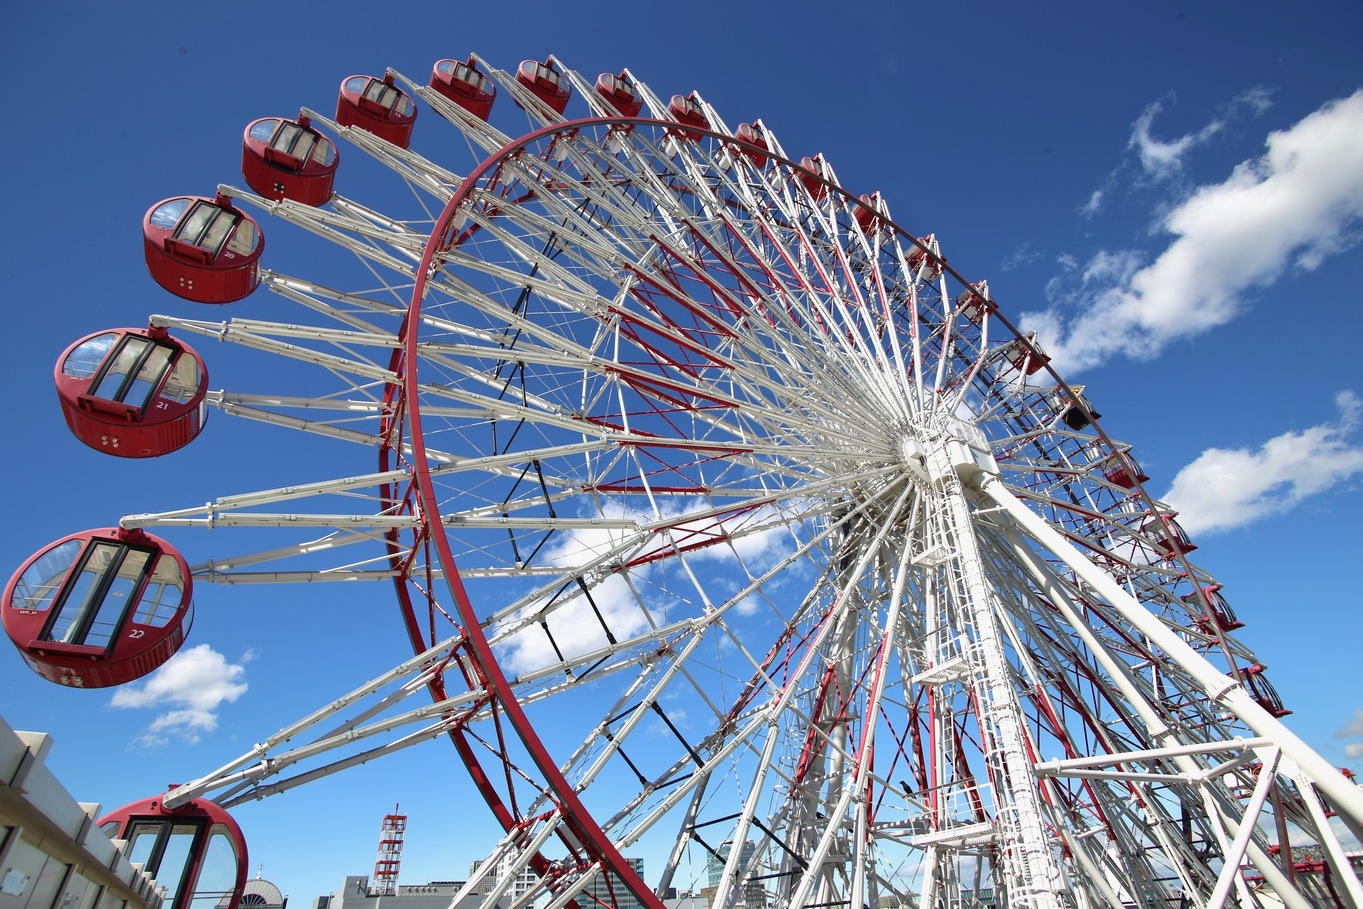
1171,193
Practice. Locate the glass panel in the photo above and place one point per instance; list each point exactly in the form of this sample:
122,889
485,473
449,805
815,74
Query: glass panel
324,152
302,145
40,583
263,130
163,595
80,597
217,872
158,605
82,362
193,227
217,230
175,860
117,598
467,74
382,94
245,238
550,75
112,385
183,381
142,840
167,571
286,136
166,215
144,384
403,106
446,67
355,84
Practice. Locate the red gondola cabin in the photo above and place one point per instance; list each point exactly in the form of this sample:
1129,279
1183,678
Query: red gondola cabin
546,83
686,109
130,392
1122,470
1209,600
974,301
753,134
1262,691
865,215
196,852
1080,414
202,249
928,253
288,159
1168,534
1026,354
378,106
619,93
99,608
814,169
465,85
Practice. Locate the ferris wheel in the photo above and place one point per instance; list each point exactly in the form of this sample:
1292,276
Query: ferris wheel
721,513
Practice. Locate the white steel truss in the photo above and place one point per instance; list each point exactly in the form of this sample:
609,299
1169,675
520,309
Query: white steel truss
833,593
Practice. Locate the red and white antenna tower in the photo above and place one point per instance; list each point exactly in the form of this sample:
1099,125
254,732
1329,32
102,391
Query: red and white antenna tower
385,882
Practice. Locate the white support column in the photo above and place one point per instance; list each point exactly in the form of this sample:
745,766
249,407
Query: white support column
1033,877
1223,690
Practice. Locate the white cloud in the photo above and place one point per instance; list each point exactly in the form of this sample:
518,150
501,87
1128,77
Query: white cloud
1093,205
1298,203
1353,750
1354,728
1258,99
759,539
1025,254
1224,489
572,622
1163,160
194,683
733,548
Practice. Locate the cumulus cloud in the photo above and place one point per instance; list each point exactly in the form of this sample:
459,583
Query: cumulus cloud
571,619
1353,750
1224,489
1298,203
193,684
730,548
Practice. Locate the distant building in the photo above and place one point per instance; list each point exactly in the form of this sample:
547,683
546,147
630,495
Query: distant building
714,865
686,900
261,894
607,888
754,895
525,880
354,894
